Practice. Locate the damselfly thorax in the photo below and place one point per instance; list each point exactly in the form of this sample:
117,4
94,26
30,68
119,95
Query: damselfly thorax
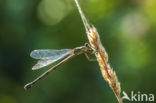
83,49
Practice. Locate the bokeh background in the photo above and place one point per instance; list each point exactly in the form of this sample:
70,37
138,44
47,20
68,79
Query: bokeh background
128,32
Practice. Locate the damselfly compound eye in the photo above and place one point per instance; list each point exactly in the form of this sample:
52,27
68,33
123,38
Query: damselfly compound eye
86,45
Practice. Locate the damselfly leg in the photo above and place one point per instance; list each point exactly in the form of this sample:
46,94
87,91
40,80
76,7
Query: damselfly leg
90,57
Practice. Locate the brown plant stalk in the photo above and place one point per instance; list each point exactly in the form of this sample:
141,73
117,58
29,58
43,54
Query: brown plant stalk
101,55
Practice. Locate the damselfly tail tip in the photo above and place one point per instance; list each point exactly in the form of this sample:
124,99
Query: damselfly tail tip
27,86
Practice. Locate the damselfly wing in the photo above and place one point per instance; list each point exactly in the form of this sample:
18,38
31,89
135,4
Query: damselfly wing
48,56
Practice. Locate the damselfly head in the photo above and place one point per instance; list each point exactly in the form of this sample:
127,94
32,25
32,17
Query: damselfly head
86,47
82,49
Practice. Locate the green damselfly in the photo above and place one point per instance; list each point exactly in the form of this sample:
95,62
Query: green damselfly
49,56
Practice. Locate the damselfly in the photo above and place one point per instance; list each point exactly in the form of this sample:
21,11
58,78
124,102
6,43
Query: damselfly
47,56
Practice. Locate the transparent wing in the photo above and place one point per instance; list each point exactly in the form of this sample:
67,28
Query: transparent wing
48,56
48,53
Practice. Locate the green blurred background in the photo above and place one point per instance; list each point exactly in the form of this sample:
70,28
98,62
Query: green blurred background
128,32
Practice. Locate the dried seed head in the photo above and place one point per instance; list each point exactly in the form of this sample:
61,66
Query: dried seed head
101,55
